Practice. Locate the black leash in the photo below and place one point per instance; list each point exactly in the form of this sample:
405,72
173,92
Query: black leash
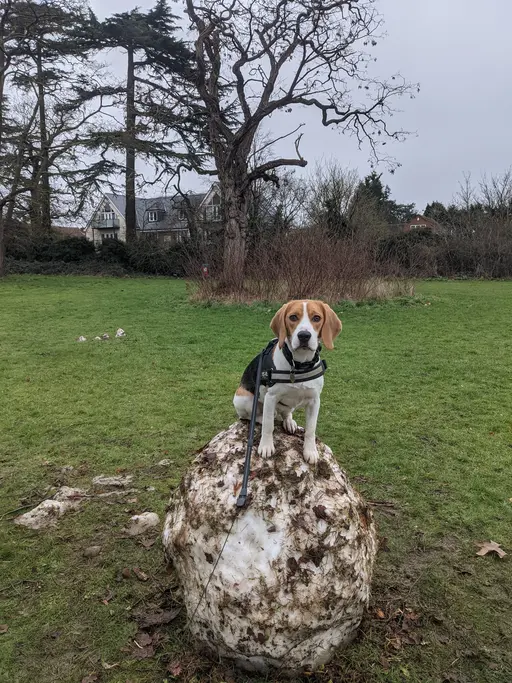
242,498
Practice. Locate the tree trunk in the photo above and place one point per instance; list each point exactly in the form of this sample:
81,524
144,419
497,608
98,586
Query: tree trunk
235,207
130,211
2,104
44,197
2,245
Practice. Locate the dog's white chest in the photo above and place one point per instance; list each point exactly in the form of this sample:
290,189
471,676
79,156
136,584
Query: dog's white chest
295,395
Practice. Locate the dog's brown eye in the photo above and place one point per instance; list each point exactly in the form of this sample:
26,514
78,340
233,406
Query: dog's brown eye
294,318
316,318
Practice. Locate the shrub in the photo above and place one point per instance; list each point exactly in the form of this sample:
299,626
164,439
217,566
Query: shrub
146,256
113,251
23,246
86,267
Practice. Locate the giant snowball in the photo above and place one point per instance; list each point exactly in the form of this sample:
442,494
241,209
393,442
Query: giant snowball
294,576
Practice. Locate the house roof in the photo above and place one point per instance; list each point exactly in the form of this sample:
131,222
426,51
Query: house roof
170,205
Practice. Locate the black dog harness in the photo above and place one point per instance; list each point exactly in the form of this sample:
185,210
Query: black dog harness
300,372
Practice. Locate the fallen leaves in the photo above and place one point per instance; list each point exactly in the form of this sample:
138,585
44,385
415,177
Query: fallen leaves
147,543
157,617
175,669
401,627
143,646
91,678
3,628
491,547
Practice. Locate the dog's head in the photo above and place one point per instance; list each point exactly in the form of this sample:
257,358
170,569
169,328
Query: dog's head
305,323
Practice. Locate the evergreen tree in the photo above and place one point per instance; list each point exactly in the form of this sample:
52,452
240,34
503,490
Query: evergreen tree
159,124
390,211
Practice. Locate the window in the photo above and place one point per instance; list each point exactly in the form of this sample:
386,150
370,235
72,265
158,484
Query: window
108,216
182,215
152,216
212,211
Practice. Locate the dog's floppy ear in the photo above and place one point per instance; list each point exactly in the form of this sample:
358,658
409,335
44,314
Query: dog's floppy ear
278,325
331,327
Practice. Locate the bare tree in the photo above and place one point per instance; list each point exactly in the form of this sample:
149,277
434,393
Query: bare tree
496,194
255,58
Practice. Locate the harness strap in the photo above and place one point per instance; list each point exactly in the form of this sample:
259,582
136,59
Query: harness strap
290,377
299,372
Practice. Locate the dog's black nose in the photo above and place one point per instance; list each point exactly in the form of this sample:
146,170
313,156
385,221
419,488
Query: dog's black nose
304,336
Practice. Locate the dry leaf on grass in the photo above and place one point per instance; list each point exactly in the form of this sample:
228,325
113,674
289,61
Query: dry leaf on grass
91,678
143,646
3,628
491,547
174,668
147,619
148,543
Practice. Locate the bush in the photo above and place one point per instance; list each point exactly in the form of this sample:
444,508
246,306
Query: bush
86,267
146,256
414,251
113,251
25,247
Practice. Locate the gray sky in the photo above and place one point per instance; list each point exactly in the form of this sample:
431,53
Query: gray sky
459,51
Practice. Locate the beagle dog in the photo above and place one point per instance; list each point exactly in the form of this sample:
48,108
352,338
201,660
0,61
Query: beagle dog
296,378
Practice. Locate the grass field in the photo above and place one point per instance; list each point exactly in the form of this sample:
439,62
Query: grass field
417,407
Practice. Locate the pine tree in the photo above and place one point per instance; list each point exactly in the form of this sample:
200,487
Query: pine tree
157,66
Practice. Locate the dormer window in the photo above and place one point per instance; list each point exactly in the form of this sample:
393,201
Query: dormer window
152,216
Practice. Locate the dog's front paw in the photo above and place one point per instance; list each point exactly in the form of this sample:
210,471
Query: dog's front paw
310,453
266,448
289,425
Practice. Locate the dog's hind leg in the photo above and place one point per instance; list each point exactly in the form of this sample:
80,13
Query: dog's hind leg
243,401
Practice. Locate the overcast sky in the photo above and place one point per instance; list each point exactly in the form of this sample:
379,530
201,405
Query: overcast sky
461,54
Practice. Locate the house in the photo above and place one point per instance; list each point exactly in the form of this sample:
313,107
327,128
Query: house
64,231
168,220
419,222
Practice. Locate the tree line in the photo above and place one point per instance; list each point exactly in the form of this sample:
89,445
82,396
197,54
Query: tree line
195,96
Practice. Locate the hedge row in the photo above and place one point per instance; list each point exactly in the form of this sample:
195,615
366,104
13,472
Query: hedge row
80,255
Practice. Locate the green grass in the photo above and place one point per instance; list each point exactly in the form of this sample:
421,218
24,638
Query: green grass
417,407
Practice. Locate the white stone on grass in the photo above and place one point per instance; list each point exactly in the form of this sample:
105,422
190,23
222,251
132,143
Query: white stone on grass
120,333
118,481
293,580
139,524
48,512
